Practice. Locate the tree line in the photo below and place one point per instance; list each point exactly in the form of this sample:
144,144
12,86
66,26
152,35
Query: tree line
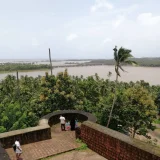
24,102
22,66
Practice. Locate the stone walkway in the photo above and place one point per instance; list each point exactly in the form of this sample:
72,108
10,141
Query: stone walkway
60,142
78,155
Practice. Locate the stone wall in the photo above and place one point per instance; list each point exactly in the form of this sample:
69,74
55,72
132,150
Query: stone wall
53,118
114,145
43,131
28,135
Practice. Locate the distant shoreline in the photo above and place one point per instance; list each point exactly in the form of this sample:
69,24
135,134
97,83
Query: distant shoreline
148,74
3,72
68,66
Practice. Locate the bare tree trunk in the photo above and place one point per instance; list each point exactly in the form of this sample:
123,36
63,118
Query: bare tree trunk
18,90
114,100
17,76
50,60
134,133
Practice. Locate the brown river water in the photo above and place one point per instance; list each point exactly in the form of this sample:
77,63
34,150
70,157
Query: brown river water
148,74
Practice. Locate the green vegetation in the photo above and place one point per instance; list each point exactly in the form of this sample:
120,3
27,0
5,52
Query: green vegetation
83,146
23,102
157,121
17,102
9,67
131,107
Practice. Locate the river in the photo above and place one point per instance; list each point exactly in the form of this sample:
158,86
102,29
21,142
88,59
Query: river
148,74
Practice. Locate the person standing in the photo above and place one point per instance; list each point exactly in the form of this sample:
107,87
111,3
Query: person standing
62,121
73,123
18,149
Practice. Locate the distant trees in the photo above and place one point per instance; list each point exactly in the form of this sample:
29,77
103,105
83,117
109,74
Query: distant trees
22,66
134,106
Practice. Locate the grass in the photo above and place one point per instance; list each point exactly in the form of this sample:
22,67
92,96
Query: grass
157,121
83,146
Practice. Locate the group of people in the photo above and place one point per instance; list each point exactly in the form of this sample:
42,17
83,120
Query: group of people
68,125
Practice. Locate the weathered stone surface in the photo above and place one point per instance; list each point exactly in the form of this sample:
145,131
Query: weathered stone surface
78,155
116,146
28,135
61,142
78,133
3,154
53,118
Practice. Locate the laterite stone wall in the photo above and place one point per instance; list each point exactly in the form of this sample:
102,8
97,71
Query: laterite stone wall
114,145
28,135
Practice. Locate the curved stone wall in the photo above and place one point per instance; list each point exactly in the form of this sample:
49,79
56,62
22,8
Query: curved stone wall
53,118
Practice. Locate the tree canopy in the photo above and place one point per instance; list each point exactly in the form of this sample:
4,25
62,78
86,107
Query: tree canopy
22,104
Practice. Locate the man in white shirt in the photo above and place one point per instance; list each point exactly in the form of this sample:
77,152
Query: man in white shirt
62,121
18,149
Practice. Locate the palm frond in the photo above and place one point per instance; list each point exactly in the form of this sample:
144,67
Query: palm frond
131,62
124,54
121,68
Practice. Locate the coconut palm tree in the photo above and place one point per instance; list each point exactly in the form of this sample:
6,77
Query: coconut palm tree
121,57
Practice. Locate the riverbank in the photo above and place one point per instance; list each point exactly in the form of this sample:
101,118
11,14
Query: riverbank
148,74
8,72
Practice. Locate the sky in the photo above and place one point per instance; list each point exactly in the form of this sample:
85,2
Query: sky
78,29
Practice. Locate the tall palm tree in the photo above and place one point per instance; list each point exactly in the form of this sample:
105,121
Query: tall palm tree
120,56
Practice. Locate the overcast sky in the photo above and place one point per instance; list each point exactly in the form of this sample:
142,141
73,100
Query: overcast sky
78,28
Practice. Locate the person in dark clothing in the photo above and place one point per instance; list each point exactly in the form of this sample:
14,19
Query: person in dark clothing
73,123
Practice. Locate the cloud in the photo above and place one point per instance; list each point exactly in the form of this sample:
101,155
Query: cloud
118,21
101,4
53,14
101,31
35,42
127,10
107,40
72,36
49,32
148,19
95,29
4,33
